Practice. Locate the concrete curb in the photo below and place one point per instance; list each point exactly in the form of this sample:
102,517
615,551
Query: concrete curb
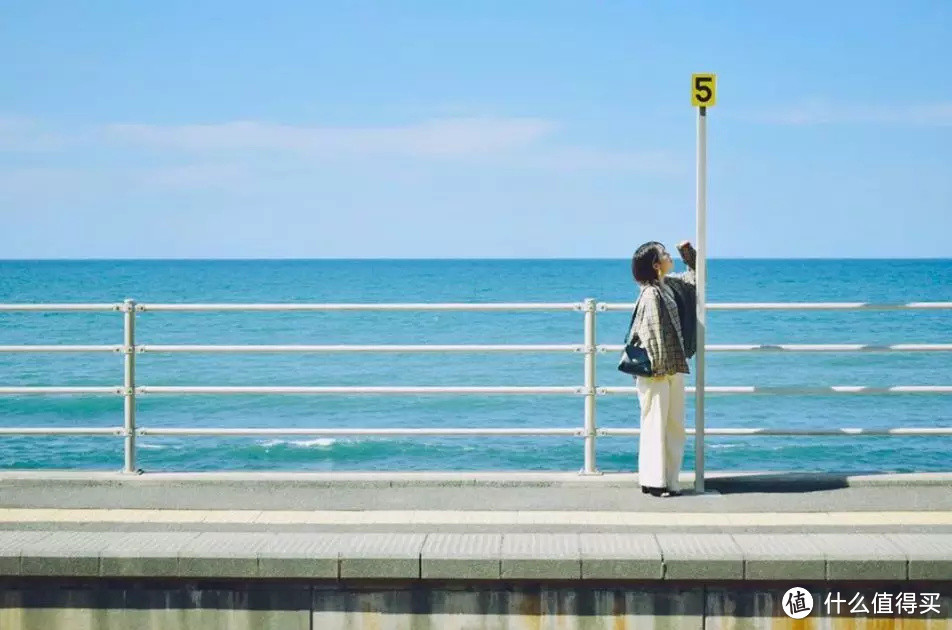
750,481
520,556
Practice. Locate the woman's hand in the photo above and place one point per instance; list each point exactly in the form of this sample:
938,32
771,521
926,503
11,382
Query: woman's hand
688,253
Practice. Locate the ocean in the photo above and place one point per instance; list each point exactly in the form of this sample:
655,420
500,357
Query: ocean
464,281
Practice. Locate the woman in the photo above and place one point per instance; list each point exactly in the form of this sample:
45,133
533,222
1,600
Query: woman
664,323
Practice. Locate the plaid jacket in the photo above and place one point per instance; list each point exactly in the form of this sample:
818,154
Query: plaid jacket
659,328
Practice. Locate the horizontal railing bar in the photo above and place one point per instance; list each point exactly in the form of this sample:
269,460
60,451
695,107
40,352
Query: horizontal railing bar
357,390
474,306
899,347
61,390
347,432
61,348
365,348
835,389
118,431
51,308
529,390
798,432
793,347
809,306
113,431
829,306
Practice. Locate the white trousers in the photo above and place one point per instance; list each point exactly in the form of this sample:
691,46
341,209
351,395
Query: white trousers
661,445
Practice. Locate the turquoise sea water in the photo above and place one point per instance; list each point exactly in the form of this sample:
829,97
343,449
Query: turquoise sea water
464,281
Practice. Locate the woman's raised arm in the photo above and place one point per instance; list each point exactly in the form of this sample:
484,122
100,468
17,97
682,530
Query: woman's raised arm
689,256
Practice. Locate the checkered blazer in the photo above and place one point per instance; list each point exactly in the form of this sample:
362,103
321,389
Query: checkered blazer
659,329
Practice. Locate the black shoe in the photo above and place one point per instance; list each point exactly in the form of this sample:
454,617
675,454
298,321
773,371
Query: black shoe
655,492
671,493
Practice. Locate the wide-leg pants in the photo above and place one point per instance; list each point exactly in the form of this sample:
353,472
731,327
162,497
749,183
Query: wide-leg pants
661,445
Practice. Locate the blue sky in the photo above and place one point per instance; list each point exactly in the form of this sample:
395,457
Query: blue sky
471,129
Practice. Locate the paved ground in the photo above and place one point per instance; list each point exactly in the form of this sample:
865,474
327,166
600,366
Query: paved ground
278,496
490,526
763,503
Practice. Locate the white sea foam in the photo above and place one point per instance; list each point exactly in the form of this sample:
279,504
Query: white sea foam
322,442
317,442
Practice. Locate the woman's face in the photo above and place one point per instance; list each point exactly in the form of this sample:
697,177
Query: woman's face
665,264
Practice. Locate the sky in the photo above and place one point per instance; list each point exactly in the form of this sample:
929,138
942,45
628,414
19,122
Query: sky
491,129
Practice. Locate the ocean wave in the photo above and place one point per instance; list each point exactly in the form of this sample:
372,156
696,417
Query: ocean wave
315,443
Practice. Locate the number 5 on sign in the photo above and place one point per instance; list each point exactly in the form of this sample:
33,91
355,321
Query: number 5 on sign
704,90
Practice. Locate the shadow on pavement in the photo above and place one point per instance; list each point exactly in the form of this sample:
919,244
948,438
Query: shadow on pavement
778,483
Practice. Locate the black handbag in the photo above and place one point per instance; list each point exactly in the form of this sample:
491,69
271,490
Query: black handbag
634,358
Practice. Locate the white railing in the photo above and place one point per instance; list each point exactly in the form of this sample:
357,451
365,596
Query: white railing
129,389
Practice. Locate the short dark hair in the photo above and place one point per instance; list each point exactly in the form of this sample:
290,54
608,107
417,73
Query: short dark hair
642,263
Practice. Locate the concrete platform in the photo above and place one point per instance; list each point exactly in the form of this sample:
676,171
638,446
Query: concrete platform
716,480
504,556
496,526
728,493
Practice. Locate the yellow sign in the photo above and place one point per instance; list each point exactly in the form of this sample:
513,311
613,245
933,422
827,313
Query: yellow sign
704,90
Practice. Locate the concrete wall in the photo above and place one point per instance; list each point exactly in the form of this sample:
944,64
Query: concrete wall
51,604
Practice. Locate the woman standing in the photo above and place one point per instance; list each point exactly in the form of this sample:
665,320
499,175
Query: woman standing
665,306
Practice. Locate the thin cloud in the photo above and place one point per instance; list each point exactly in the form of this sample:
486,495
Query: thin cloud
28,136
818,112
505,142
249,153
41,180
435,138
579,158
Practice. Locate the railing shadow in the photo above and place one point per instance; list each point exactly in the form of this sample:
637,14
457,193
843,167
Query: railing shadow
780,483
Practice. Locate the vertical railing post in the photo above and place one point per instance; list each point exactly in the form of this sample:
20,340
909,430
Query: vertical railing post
590,417
129,384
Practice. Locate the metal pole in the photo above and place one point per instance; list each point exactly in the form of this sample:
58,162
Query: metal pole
701,272
591,427
129,384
